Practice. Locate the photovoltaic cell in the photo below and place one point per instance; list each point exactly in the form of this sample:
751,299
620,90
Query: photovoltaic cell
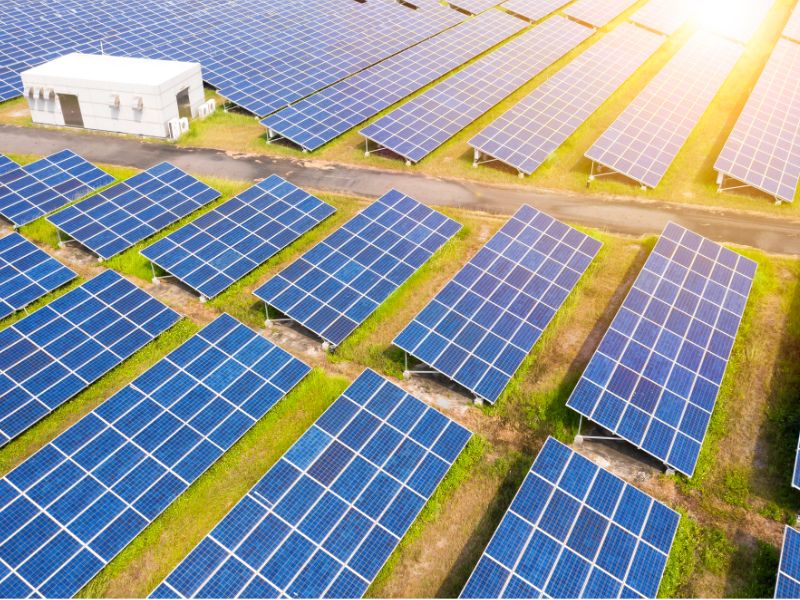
644,140
763,149
6,164
117,218
597,13
60,349
534,9
421,125
71,507
655,377
526,135
27,273
482,325
796,476
29,192
338,283
474,6
225,244
320,118
664,16
788,584
792,29
574,530
325,518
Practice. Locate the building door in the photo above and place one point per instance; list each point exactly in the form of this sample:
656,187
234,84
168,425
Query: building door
184,104
71,110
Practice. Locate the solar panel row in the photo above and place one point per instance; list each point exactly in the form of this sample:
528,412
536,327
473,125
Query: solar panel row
763,150
220,247
597,13
338,283
421,125
474,6
322,522
655,377
33,190
525,136
788,583
533,10
574,530
70,508
482,325
644,140
792,29
57,351
27,273
320,118
6,164
663,16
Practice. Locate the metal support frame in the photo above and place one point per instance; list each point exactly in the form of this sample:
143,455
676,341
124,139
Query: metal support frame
721,187
408,373
378,148
598,170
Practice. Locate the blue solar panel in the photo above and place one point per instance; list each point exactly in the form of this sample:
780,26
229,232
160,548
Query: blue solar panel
72,506
481,326
788,584
225,244
574,530
320,118
27,273
655,377
421,125
323,521
57,351
534,9
339,282
132,210
29,192
6,164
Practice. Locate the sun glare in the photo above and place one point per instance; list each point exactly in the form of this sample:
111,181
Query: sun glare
730,18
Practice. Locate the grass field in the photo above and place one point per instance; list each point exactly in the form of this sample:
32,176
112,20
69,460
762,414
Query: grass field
733,508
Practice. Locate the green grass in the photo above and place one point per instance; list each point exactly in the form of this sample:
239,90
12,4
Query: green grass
145,562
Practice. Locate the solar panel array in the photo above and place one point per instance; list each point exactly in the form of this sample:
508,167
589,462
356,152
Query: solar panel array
525,136
763,149
574,530
223,245
117,218
31,191
482,325
6,164
597,12
534,9
644,140
322,522
259,55
27,273
320,118
72,506
474,6
664,16
792,29
655,377
60,349
788,583
421,125
338,283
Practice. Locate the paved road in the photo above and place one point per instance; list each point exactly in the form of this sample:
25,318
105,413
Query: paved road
630,216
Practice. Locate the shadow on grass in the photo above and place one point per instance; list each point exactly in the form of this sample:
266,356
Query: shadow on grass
753,568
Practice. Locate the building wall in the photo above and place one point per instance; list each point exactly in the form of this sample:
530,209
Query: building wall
159,101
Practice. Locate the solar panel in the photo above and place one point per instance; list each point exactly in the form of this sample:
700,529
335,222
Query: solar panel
132,210
484,322
27,273
534,9
763,150
421,125
788,584
75,504
574,530
792,29
223,245
338,283
525,136
320,118
325,518
29,192
6,164
597,13
655,377
644,140
663,16
60,349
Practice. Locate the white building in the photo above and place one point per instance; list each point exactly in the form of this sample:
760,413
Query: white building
112,93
